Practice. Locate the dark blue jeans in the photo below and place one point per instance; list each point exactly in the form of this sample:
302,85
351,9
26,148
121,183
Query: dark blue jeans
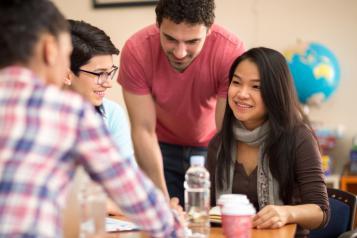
176,159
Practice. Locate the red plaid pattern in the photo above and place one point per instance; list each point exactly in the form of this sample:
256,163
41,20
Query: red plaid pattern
45,133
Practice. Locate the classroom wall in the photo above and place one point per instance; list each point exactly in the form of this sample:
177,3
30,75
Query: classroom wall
273,23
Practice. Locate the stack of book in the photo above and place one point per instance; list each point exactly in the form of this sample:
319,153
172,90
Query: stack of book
215,215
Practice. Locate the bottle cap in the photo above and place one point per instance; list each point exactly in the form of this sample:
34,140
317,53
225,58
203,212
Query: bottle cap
197,160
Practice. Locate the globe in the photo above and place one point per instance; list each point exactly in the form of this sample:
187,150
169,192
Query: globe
315,71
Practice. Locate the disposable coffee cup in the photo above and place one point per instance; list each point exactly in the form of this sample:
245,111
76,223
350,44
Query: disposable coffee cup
237,220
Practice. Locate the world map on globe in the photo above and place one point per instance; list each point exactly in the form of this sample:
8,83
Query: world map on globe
315,71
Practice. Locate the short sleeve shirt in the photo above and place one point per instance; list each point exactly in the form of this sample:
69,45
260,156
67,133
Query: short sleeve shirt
185,102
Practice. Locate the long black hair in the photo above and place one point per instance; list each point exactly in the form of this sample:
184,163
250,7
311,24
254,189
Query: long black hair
284,117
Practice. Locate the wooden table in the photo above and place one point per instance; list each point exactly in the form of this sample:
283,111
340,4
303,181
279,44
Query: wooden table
71,229
287,231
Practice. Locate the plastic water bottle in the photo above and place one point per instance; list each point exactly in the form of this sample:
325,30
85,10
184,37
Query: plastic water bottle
197,198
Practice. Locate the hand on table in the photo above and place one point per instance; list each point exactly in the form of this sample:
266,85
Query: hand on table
113,209
175,206
271,216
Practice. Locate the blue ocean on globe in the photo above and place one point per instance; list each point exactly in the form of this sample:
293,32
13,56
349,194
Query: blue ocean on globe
315,70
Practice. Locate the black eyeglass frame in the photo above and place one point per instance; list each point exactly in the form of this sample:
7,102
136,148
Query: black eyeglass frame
100,79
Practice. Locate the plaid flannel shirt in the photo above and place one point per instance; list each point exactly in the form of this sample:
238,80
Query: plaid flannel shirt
45,133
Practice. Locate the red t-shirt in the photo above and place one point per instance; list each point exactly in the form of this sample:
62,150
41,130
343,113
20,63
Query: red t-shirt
185,101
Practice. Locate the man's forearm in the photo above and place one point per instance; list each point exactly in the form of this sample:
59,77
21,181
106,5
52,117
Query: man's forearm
149,158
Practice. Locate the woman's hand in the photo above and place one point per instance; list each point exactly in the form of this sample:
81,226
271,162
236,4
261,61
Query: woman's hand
271,216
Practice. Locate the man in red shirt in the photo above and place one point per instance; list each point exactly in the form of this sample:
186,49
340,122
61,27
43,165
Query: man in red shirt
174,76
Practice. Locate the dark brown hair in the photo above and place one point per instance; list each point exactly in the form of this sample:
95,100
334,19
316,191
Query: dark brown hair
189,11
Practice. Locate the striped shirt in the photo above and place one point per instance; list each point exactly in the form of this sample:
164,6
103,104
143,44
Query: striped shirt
45,133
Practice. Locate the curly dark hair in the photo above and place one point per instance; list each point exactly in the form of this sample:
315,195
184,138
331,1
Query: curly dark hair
190,11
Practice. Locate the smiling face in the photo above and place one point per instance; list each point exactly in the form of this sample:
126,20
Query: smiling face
86,83
181,42
244,95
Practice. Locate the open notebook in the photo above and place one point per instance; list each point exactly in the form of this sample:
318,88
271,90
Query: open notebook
115,225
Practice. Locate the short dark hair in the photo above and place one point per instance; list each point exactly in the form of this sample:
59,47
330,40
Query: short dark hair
21,24
190,11
284,114
88,41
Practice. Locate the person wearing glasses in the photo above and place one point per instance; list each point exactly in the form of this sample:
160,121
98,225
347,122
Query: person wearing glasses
91,74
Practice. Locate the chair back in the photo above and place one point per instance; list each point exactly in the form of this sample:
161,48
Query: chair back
349,234
343,210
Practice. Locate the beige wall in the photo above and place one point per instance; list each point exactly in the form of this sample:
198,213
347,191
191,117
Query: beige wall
272,23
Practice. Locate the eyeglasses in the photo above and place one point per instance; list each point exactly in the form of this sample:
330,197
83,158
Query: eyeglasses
102,77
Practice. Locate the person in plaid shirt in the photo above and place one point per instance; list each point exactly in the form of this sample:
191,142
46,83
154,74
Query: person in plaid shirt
45,133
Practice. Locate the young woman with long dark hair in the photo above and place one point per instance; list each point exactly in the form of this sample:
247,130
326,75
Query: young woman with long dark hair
266,148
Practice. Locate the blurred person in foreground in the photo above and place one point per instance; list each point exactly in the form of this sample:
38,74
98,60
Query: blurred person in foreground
46,133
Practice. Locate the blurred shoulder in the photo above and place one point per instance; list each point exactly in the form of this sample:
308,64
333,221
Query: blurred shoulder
68,98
